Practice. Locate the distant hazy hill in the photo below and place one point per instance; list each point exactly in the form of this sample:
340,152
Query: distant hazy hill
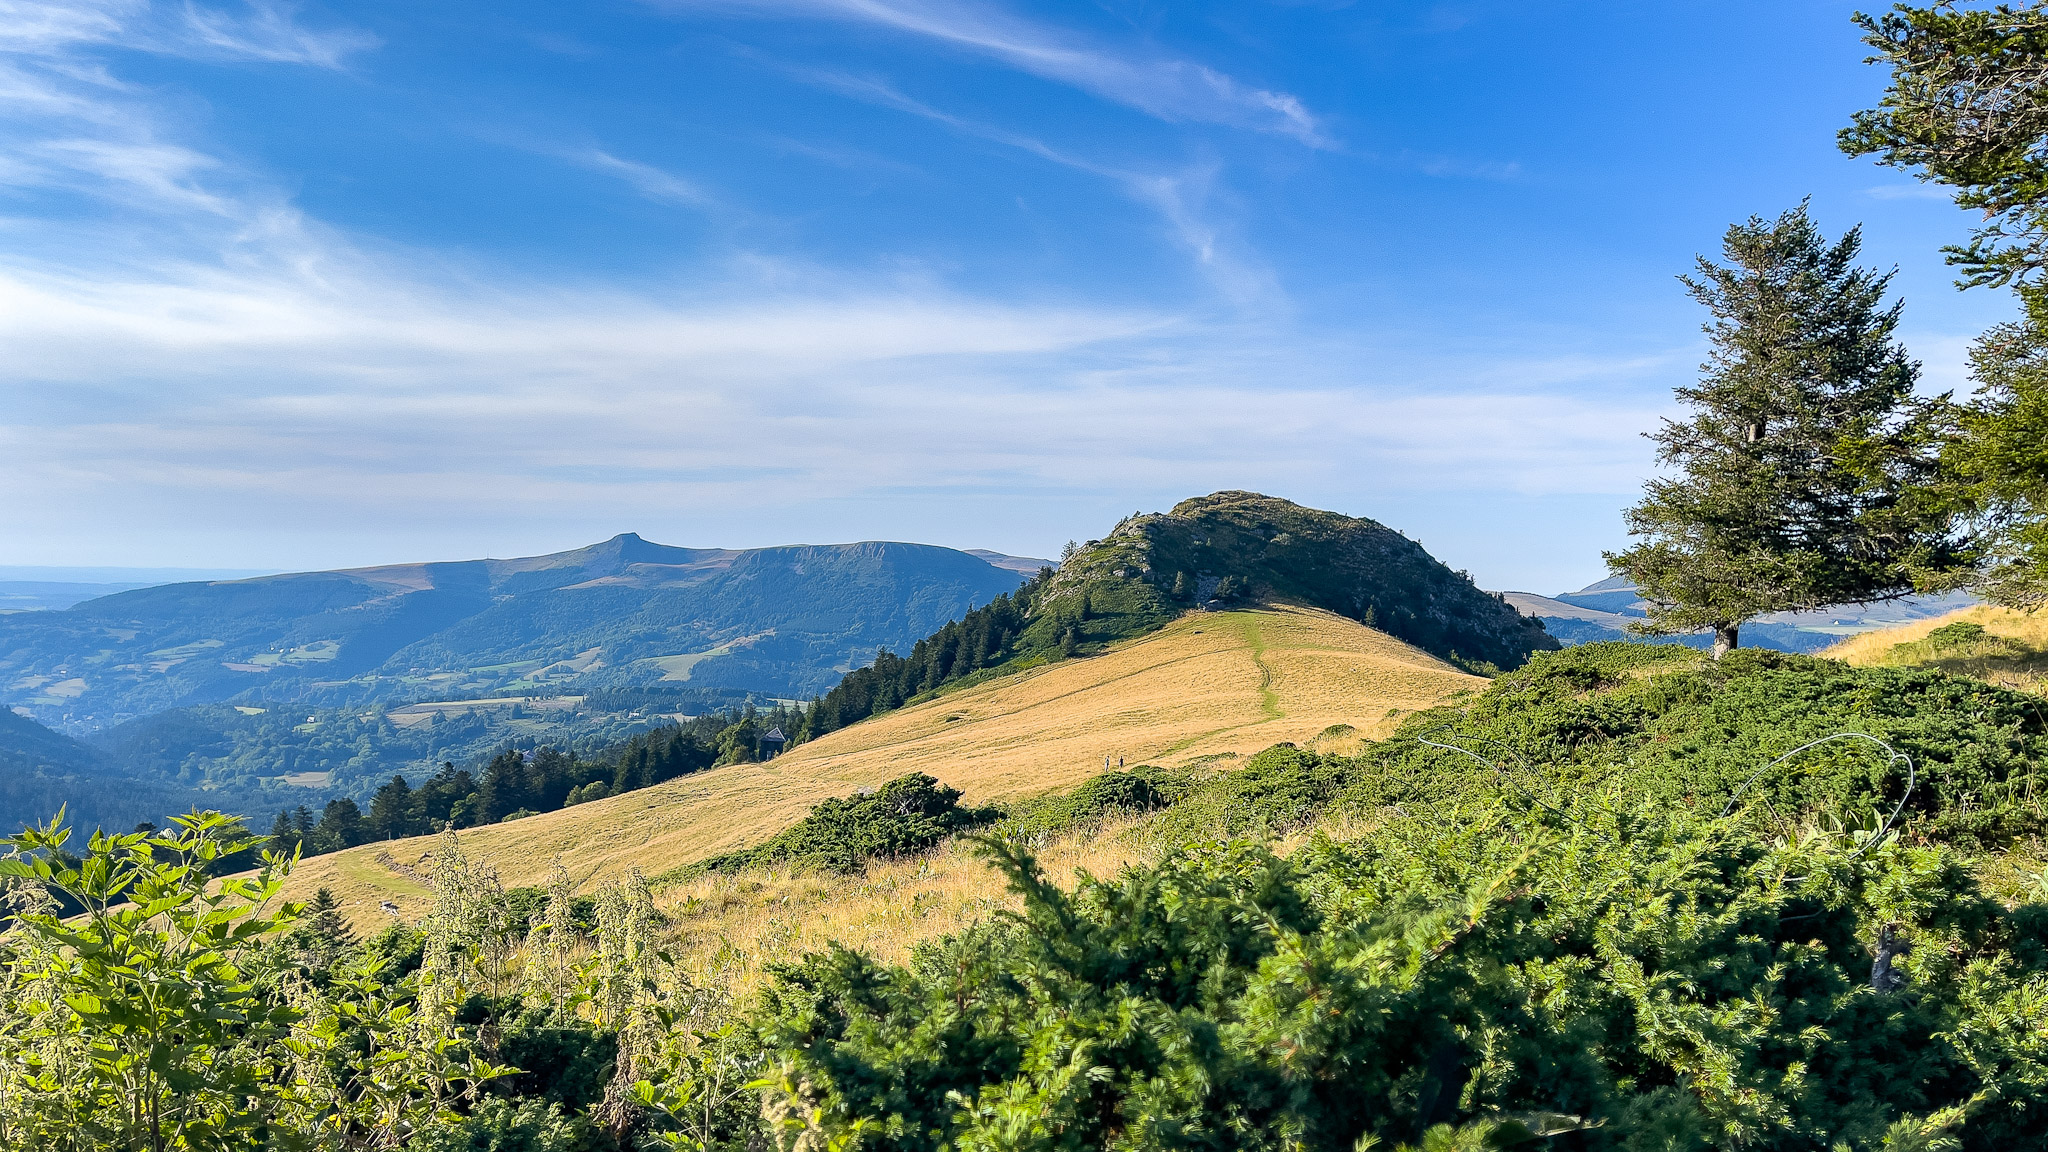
1026,565
1242,547
1603,611
783,621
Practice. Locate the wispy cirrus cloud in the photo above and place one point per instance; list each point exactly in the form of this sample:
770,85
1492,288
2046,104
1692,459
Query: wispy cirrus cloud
192,358
263,30
1184,199
354,397
68,123
646,179
1909,192
1157,83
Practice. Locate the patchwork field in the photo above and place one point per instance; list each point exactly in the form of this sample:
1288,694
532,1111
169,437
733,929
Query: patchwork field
1211,686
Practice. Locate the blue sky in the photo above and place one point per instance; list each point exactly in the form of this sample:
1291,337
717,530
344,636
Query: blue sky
288,286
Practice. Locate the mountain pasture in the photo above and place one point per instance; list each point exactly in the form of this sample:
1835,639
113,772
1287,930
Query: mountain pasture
1210,687
1997,645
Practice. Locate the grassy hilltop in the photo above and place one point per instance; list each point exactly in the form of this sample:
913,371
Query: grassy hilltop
1238,547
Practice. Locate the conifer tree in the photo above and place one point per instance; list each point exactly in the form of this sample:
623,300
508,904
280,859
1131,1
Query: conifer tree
341,826
1806,471
391,811
1967,109
322,932
2000,454
284,838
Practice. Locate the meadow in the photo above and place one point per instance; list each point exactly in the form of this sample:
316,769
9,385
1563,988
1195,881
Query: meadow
1211,688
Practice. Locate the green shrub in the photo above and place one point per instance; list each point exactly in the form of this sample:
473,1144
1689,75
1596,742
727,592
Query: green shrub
1665,724
500,1125
1642,976
913,813
1276,790
1139,790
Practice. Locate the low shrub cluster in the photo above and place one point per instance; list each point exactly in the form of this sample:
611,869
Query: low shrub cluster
1668,725
909,814
1630,974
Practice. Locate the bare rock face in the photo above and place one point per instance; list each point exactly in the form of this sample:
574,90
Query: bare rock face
1231,548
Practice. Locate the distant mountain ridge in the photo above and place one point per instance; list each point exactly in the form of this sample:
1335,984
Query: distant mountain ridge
783,621
1604,611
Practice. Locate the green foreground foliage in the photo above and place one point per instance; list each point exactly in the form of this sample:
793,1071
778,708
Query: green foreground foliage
1563,935
1640,979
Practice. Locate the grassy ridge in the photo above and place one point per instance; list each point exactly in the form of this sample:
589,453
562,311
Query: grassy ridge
1641,723
1193,693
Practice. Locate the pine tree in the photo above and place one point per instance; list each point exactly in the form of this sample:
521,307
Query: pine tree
2000,453
284,838
1807,469
392,811
341,826
1966,110
502,790
324,924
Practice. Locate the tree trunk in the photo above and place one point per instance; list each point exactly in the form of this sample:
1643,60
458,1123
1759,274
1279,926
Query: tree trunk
1885,978
1724,639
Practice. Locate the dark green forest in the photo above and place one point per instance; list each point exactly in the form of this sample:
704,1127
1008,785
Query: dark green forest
524,782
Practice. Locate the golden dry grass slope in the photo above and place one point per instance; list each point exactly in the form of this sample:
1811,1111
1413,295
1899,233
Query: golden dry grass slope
1209,686
2013,653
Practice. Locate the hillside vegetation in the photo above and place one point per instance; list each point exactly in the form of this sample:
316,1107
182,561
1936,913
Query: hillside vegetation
1631,914
1993,644
1649,722
1209,688
1225,550
42,771
1236,547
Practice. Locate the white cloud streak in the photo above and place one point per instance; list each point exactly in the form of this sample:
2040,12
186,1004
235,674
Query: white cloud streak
359,399
646,179
1909,192
1181,199
262,30
1157,84
198,360
68,124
